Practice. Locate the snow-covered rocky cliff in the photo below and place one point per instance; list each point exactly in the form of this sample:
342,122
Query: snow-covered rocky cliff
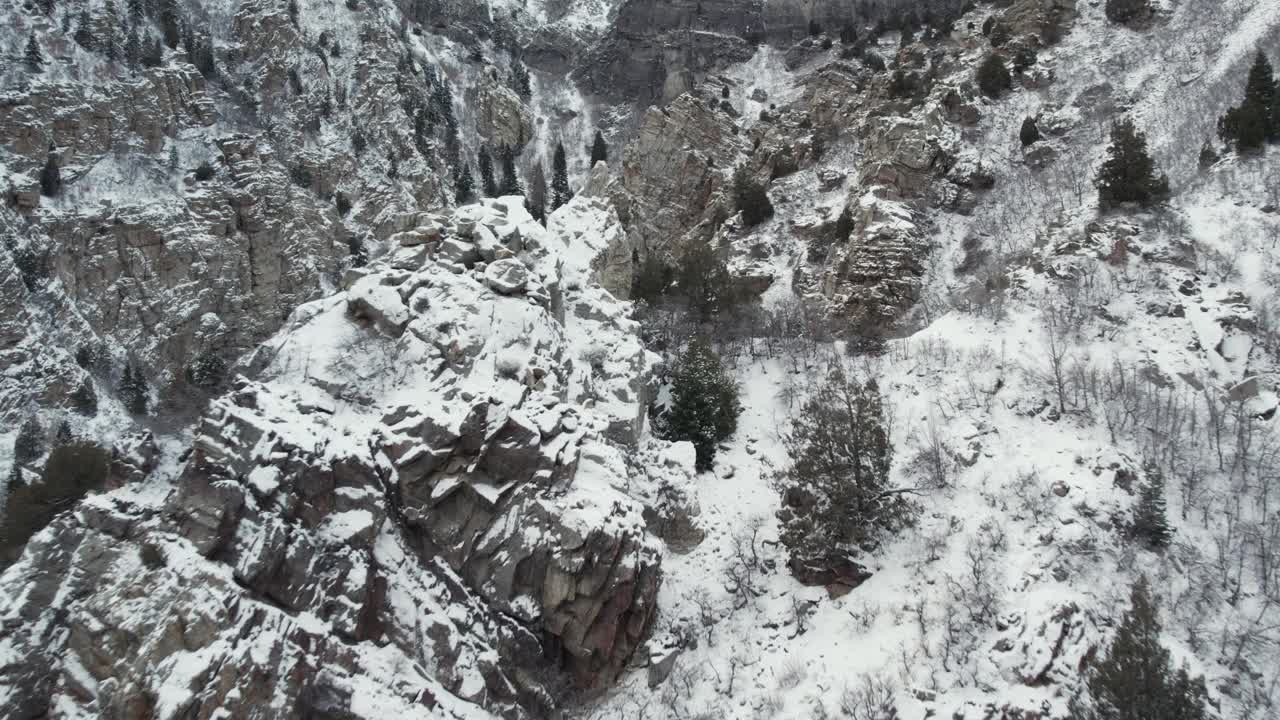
352,445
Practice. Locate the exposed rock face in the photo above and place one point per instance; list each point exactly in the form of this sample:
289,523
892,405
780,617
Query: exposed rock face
656,51
501,118
150,258
675,174
427,474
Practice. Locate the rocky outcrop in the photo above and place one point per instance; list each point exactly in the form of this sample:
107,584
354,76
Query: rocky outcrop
675,173
655,51
428,473
501,118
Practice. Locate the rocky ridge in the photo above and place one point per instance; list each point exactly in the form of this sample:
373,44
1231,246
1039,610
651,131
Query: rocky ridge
463,509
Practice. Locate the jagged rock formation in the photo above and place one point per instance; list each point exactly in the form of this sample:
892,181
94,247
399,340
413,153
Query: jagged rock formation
458,509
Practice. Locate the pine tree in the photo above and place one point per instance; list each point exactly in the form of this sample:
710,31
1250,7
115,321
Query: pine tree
487,183
1257,119
84,31
84,399
993,76
751,198
135,11
1030,132
836,489
536,202
47,7
169,23
704,403
599,151
560,192
1150,520
1128,174
51,177
393,165
29,444
520,80
703,279
64,434
153,54
463,186
133,390
34,58
1136,680
132,49
510,180
293,12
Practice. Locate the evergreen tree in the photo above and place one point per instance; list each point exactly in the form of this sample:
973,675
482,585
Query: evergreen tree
1128,174
751,198
441,103
704,403
84,399
1150,521
133,390
34,58
703,279
393,165
536,202
29,445
1136,680
358,142
84,31
1208,156
487,183
135,11
1030,132
47,7
836,490
169,23
464,190
1128,11
510,179
1257,119
51,176
293,12
63,435
993,76
652,280
153,54
110,44
132,48
421,134
560,192
520,80
599,151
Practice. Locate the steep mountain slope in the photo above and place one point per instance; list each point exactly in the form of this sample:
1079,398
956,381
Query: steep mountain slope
395,457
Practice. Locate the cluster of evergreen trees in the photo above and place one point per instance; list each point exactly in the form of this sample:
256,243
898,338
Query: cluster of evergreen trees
1256,120
136,37
539,193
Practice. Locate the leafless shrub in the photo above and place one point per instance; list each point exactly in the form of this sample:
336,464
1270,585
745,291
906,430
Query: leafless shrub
871,699
792,673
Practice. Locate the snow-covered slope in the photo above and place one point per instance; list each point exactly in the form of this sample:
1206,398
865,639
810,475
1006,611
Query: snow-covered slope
426,486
